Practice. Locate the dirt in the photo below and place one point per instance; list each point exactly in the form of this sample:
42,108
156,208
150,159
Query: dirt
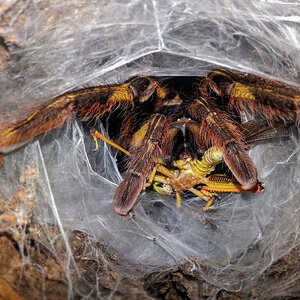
39,273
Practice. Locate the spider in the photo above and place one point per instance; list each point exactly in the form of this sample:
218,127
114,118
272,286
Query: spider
149,111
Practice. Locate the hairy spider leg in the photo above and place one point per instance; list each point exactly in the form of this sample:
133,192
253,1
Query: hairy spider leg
95,102
53,115
217,129
88,103
145,149
269,98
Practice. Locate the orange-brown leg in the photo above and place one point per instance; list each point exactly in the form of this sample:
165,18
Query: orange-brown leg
145,150
269,98
87,103
217,129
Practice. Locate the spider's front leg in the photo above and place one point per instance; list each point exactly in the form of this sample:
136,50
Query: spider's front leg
146,148
87,103
269,98
216,128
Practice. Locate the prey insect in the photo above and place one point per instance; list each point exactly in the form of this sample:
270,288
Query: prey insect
191,174
146,110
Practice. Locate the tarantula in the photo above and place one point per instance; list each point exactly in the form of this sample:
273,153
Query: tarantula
167,119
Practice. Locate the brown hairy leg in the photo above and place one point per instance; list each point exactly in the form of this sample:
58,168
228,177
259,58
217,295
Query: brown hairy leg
87,103
269,98
145,149
215,128
53,115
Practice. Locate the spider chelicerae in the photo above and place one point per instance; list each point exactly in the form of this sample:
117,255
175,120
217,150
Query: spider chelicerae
176,129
